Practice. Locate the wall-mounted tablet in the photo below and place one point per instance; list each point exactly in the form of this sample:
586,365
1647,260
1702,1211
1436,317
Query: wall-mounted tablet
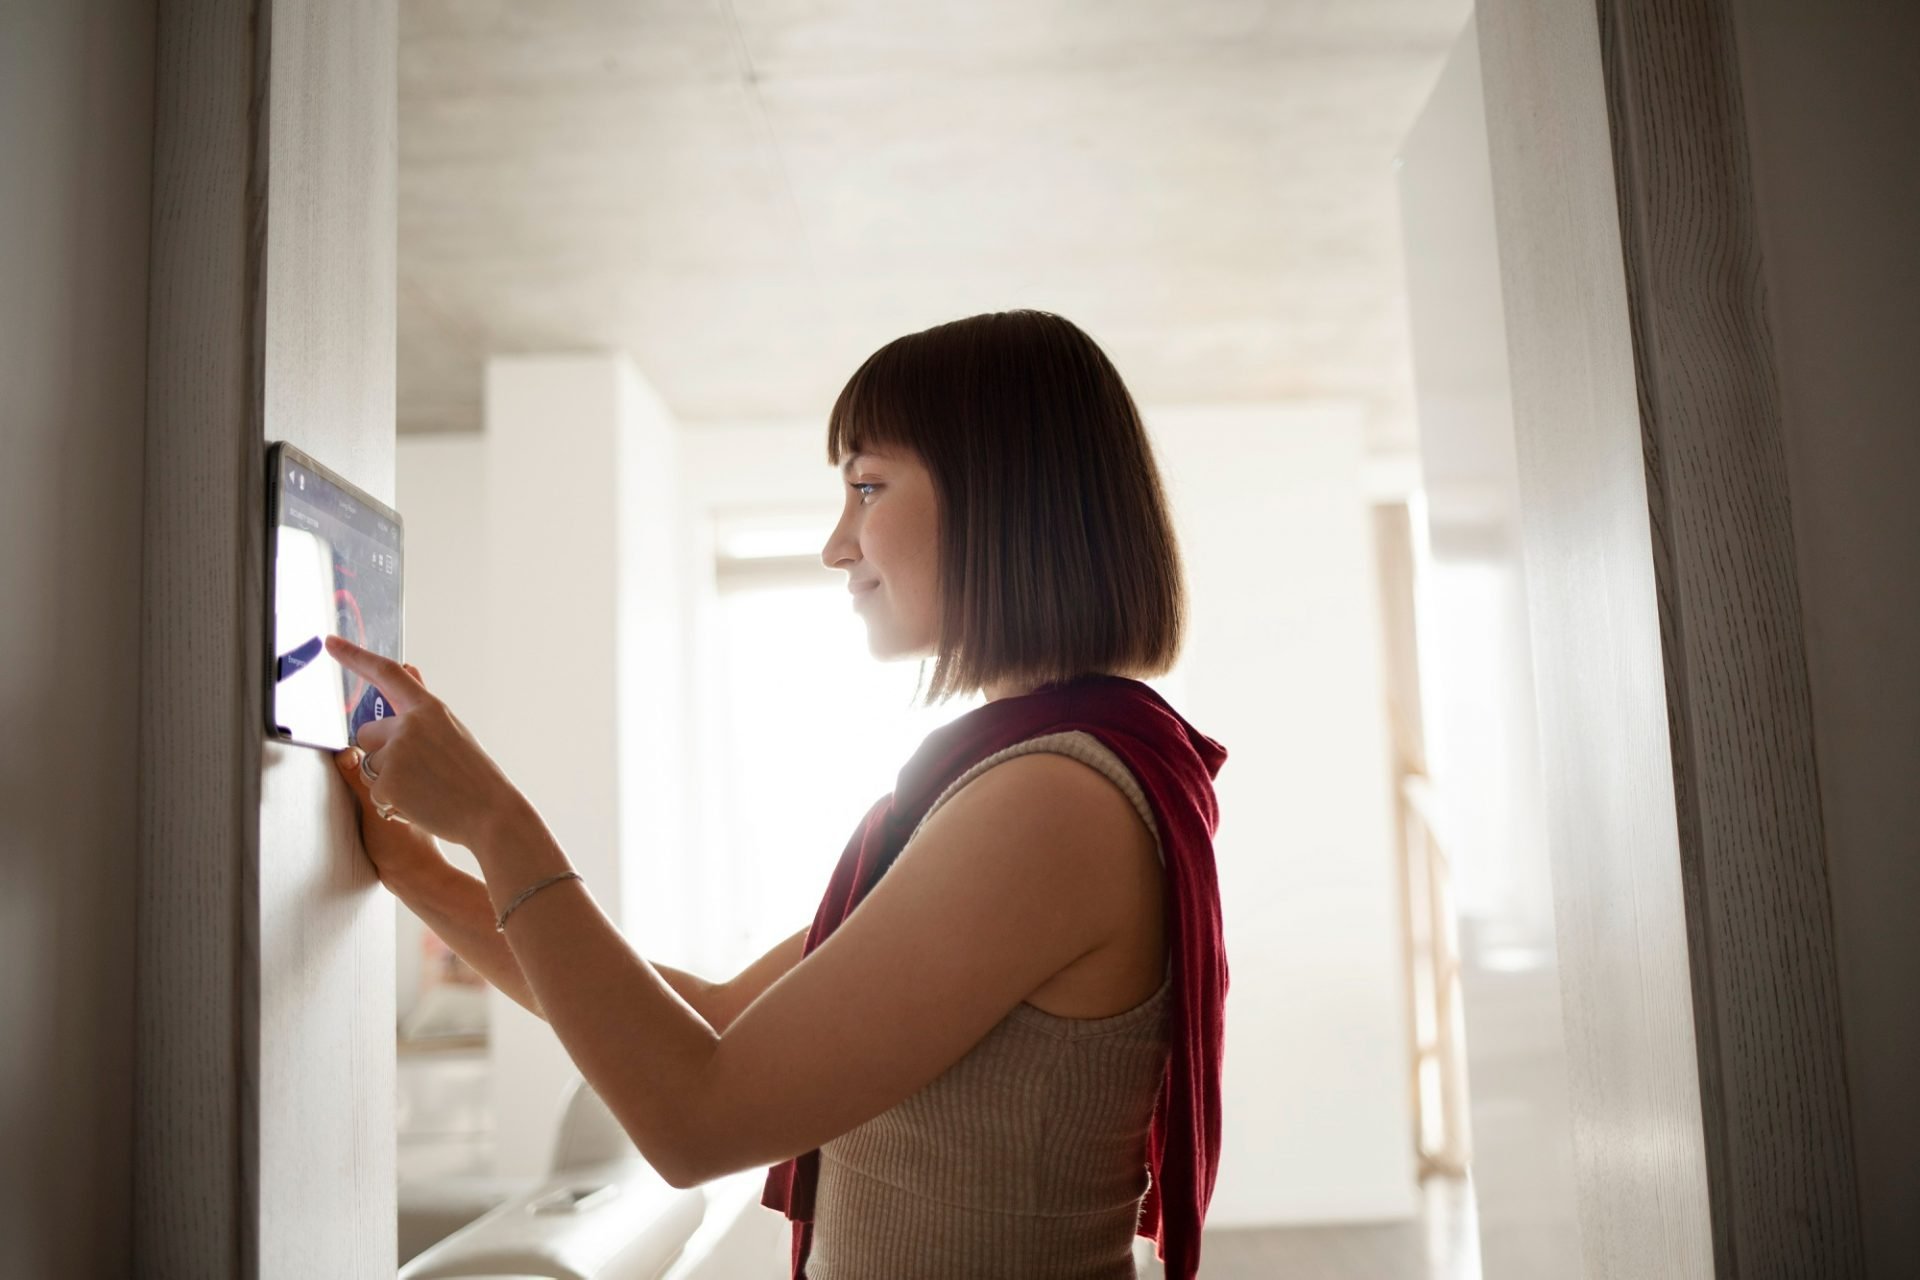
333,567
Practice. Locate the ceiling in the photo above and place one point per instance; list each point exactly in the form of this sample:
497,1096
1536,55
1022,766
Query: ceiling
751,195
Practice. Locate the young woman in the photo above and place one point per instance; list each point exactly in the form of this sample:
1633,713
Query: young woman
1006,1061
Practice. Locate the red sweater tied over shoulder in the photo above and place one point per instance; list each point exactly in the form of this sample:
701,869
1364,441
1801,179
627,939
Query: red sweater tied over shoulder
1175,765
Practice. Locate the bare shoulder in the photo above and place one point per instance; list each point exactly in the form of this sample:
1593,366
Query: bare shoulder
1043,787
1071,817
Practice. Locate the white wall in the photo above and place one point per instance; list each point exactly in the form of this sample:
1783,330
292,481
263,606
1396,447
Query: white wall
1283,665
542,603
440,491
1476,675
1469,487
320,1061
729,472
76,128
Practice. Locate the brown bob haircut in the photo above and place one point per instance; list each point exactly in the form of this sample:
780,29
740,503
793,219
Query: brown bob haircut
1057,557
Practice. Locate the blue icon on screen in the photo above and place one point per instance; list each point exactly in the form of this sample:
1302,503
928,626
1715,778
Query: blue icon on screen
297,658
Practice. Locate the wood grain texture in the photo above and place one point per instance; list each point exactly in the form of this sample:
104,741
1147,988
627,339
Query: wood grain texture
200,710
1606,759
1753,856
324,1078
1832,115
265,1090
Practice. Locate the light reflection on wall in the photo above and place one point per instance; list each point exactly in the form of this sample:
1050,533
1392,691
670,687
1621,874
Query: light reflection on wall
816,730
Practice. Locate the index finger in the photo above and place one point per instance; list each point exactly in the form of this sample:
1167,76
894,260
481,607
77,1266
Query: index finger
386,675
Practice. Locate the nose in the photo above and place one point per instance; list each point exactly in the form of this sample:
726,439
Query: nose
840,549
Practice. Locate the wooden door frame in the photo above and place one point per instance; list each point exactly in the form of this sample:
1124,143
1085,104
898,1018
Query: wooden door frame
1708,1081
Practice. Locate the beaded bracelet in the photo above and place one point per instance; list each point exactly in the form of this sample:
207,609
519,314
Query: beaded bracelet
500,925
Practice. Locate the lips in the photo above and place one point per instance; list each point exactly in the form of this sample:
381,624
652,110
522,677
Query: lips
861,588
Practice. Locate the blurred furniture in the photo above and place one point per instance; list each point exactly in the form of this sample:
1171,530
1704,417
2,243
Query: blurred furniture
445,1142
602,1213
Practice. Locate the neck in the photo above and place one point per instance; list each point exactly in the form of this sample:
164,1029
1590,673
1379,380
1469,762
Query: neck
1015,688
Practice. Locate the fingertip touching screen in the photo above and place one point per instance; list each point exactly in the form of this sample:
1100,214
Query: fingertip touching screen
334,568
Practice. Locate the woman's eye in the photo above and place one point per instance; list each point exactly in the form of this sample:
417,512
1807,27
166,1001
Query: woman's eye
864,485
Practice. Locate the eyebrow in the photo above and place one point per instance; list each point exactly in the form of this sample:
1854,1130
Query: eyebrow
846,468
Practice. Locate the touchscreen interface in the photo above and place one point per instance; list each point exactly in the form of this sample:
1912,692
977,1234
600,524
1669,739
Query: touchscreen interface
336,568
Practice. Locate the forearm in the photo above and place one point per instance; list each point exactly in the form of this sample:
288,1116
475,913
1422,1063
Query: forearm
454,904
642,1047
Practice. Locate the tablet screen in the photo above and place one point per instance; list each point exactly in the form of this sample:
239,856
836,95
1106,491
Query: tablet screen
336,570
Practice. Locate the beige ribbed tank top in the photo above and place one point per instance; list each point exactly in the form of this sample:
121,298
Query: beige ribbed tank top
1025,1158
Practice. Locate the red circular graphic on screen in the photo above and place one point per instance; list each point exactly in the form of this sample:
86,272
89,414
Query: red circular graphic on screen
347,609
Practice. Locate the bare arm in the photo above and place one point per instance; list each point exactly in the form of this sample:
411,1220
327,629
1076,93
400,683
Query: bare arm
454,904
733,996
948,943
955,935
458,908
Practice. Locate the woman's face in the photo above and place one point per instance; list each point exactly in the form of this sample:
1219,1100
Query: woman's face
887,541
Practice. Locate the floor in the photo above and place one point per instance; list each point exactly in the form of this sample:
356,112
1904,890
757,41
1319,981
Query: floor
1442,1244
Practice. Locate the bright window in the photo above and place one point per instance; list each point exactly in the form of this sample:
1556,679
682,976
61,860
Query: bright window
816,729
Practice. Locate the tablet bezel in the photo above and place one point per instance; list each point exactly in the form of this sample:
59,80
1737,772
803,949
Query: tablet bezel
279,453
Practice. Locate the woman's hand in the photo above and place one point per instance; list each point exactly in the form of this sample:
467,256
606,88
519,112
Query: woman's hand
402,854
425,766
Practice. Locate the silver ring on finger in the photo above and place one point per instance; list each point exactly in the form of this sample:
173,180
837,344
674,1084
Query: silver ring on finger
386,811
367,770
